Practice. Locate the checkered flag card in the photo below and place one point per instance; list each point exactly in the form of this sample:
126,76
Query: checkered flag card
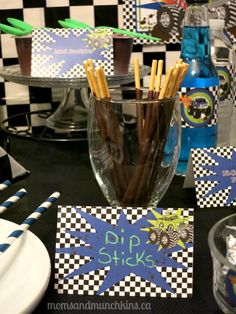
213,172
124,251
61,52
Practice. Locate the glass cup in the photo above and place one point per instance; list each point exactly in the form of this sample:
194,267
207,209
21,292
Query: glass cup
23,47
134,146
122,46
222,243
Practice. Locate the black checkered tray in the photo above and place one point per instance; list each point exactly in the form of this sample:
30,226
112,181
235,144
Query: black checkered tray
124,251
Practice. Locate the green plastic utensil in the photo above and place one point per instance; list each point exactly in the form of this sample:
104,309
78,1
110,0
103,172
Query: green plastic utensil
78,23
20,24
70,23
17,27
13,30
131,34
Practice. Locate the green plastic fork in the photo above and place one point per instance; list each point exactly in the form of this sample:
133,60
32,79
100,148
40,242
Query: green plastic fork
17,27
70,23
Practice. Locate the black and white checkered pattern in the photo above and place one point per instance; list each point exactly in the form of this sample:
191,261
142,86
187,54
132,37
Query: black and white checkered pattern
129,21
232,14
180,280
16,98
233,90
232,93
200,157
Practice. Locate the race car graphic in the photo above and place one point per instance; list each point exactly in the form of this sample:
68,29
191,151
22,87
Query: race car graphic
170,229
164,18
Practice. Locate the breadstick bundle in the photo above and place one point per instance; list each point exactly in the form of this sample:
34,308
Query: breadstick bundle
127,151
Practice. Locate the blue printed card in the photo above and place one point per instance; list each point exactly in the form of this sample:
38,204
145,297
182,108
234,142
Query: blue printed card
107,251
214,174
60,53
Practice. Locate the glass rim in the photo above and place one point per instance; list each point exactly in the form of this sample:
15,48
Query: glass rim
133,100
213,247
22,36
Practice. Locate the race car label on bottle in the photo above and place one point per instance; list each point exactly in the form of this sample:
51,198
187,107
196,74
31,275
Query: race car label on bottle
199,106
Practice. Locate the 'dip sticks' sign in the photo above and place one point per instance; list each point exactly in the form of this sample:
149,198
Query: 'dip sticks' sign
129,252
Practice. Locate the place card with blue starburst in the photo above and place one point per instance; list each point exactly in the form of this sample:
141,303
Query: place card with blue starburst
107,251
60,53
214,171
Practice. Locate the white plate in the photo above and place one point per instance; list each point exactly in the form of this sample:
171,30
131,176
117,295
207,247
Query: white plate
25,270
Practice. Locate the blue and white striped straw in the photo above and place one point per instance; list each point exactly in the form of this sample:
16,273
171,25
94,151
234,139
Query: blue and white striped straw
12,200
4,185
14,235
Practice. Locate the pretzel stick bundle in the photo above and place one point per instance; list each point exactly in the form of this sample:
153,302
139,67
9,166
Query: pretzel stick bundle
179,71
112,140
154,137
135,187
147,168
92,80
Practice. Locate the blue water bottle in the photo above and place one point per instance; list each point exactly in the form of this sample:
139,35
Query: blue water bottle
200,87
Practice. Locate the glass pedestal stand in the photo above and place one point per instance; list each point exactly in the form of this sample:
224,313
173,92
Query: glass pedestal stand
69,120
71,114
